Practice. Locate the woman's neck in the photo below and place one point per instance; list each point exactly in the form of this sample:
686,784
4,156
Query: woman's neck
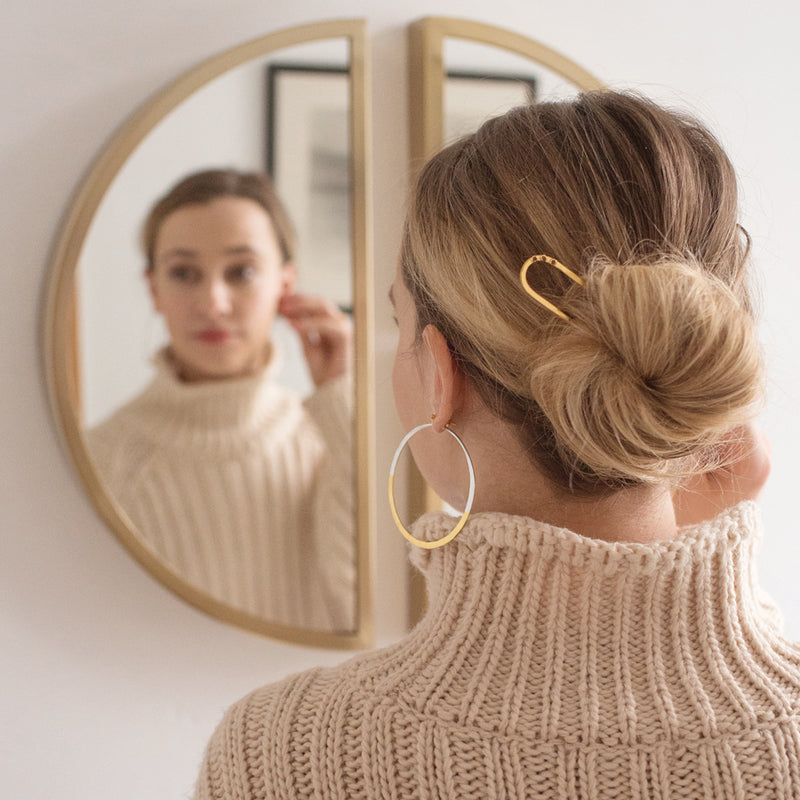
507,481
642,514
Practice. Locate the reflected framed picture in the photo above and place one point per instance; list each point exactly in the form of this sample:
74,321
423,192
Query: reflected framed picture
308,157
470,98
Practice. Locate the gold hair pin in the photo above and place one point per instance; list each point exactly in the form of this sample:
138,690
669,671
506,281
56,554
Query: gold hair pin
537,297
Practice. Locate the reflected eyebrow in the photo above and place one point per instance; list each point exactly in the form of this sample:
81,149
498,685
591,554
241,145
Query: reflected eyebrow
186,252
391,294
242,249
180,252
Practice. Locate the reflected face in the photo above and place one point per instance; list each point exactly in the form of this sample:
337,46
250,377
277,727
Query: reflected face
218,277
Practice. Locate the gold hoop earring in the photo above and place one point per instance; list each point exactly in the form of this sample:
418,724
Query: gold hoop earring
471,496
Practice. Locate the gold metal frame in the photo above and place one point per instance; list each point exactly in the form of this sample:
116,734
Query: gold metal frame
58,329
426,75
426,71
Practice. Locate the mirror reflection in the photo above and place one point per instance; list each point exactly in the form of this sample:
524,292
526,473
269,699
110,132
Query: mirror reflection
214,341
484,81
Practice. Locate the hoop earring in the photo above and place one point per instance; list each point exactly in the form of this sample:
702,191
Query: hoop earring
461,522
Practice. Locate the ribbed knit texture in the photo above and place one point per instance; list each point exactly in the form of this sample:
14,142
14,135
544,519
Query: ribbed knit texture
549,665
245,492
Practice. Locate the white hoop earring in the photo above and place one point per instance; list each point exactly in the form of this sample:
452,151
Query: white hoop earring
461,522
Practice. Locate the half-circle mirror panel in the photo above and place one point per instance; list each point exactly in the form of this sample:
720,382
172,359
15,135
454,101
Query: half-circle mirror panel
211,379
461,73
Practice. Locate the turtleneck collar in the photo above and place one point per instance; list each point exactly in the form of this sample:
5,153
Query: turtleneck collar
536,628
212,408
524,534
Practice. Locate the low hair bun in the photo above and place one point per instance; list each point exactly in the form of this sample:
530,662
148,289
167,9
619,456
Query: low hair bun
657,361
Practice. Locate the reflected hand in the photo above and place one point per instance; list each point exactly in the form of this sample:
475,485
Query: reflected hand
325,332
748,454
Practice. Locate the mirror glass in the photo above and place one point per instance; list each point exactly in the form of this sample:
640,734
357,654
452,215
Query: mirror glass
211,384
483,81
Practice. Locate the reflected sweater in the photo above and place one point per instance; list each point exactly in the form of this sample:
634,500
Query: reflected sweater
244,491
549,665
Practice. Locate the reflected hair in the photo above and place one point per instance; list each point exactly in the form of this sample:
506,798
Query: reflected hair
204,187
660,359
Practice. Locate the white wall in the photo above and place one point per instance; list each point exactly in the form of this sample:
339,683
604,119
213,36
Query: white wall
110,686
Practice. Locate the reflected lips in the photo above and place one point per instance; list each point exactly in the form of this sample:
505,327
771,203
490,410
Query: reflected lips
214,336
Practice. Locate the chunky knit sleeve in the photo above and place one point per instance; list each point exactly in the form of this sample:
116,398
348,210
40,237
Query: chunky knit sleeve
331,409
254,752
226,771
117,454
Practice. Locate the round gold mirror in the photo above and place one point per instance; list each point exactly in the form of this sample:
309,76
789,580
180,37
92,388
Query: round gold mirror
167,455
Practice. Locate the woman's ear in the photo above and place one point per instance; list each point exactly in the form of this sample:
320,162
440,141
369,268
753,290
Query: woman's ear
448,382
288,278
151,285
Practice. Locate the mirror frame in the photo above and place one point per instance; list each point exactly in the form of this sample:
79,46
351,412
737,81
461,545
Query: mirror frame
426,72
426,76
59,335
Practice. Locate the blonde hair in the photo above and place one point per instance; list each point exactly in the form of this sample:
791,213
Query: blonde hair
660,356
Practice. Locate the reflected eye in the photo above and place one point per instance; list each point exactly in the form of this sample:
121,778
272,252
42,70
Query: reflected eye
241,273
183,273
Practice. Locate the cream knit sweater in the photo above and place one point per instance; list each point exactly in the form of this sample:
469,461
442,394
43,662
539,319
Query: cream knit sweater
242,490
548,666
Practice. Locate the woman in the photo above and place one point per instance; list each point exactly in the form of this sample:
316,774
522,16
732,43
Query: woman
572,304
242,489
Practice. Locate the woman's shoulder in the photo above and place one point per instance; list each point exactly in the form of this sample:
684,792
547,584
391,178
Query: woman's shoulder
281,731
119,445
304,694
258,735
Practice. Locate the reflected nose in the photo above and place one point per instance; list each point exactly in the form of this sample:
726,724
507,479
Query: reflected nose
216,298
